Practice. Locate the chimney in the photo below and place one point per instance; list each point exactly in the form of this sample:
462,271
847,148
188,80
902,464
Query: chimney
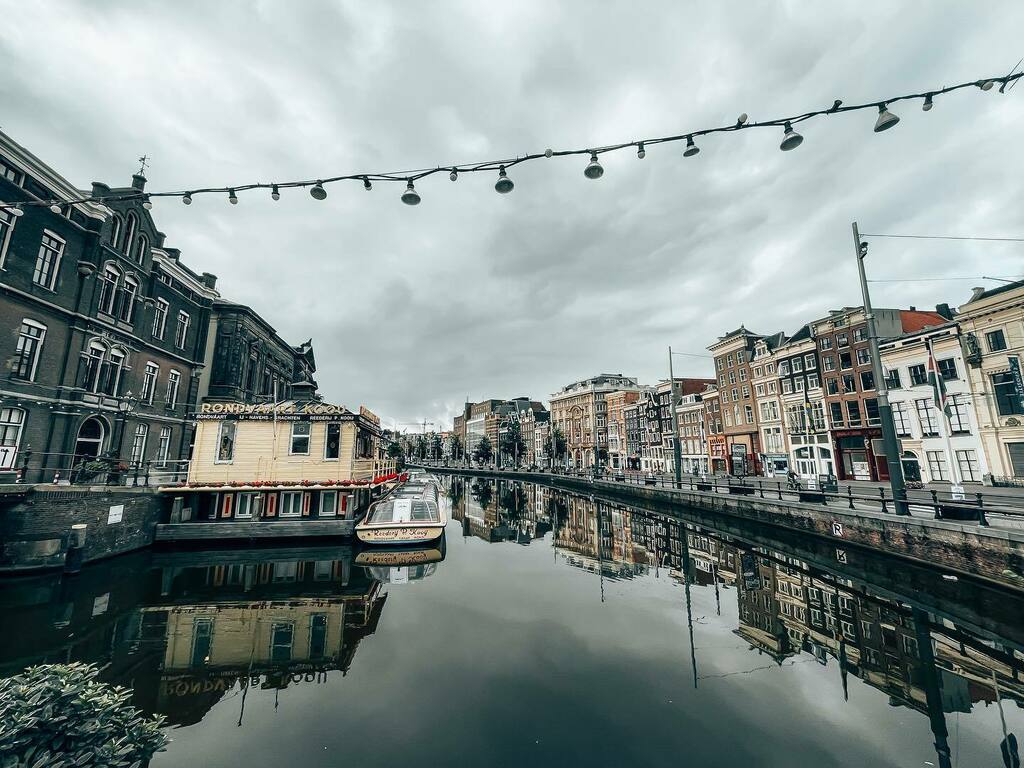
913,308
944,310
160,238
138,181
99,189
209,280
174,253
975,294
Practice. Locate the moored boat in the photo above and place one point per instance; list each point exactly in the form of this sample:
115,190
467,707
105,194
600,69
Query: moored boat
409,515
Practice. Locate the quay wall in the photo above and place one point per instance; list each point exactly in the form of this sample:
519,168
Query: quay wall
36,523
962,548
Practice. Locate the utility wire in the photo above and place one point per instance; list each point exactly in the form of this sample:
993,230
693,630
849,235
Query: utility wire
951,237
936,279
790,141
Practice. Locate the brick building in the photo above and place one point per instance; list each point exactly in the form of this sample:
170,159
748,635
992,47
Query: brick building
580,411
733,354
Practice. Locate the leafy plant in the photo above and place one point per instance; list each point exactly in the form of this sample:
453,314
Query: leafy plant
60,715
483,450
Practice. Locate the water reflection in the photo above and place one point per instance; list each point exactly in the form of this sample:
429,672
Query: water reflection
236,638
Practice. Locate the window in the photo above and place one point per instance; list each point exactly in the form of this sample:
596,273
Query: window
867,381
797,364
959,421
149,382
845,360
10,174
863,357
787,387
729,360
926,415
871,409
810,363
842,340
300,438
773,387
937,465
853,411
1008,401
317,635
51,249
139,443
746,392
849,383
282,634
784,368
798,385
720,363
202,641
759,390
967,461
735,395
11,421
7,220
947,368
181,332
743,374
917,375
129,294
828,363
812,381
996,340
28,350
248,504
115,230
332,443
825,342
749,413
902,420
732,377
141,249
160,318
832,386
328,503
892,378
758,371
291,502
163,450
109,282
173,382
860,334
102,369
226,441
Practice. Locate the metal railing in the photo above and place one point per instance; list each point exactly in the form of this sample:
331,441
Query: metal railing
74,469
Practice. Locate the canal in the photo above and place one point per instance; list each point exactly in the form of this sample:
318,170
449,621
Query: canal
552,629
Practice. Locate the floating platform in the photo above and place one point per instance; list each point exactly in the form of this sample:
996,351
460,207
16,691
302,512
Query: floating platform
262,529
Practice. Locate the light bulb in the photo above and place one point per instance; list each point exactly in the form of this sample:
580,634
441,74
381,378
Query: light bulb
549,152
146,203
742,119
317,191
275,193
454,175
986,85
927,106
410,196
593,169
232,197
504,184
790,139
16,211
640,152
366,184
886,119
55,208
691,148
187,198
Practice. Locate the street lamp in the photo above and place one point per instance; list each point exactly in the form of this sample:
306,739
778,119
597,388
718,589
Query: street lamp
889,440
126,405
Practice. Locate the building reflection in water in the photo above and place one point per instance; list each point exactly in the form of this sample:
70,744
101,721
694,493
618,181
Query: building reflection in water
786,606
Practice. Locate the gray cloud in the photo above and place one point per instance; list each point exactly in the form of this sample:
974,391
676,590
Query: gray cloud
475,294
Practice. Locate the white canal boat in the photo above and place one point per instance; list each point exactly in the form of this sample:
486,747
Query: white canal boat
409,515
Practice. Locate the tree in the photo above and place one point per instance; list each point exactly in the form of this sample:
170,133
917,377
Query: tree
555,444
512,443
483,451
421,446
481,491
394,451
435,447
59,715
457,449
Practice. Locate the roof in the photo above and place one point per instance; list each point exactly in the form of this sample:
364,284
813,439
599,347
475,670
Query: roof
914,320
774,340
980,294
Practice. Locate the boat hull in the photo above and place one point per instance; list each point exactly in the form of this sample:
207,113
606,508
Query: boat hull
399,535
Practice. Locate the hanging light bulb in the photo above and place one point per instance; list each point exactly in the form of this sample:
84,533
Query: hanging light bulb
691,148
275,193
232,197
927,106
55,208
790,139
317,191
146,203
187,198
366,183
549,152
593,169
504,184
641,153
410,196
986,85
16,211
454,175
886,119
742,119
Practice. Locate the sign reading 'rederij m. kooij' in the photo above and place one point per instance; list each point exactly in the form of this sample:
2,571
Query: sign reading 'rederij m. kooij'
274,411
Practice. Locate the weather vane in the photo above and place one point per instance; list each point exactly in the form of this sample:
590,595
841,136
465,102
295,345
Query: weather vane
142,164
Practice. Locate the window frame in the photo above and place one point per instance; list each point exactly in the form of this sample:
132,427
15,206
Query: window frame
223,427
161,308
54,268
308,436
37,351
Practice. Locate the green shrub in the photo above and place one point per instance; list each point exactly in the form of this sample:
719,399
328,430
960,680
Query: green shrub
60,716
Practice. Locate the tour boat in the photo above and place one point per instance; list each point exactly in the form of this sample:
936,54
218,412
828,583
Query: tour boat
409,515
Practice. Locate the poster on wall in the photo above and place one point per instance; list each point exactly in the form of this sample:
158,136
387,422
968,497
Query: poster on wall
115,514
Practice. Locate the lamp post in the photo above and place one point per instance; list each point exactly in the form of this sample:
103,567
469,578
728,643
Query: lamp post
125,407
889,440
677,454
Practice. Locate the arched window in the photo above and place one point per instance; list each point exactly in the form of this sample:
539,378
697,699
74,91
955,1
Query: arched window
141,249
102,369
89,443
115,230
111,380
129,234
93,361
129,295
11,422
110,281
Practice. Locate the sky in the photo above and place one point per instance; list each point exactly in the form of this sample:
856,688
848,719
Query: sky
473,294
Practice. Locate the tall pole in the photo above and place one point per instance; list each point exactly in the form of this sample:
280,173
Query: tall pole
889,440
677,453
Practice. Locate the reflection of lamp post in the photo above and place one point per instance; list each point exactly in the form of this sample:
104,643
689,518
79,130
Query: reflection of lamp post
126,405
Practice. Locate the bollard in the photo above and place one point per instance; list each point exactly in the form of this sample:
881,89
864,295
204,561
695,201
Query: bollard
849,495
778,484
760,488
982,520
935,504
76,549
881,492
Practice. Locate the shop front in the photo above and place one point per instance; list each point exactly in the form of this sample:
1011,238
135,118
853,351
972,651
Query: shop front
775,464
717,448
855,458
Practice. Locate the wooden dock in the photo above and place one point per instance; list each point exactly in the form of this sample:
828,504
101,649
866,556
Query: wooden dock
263,529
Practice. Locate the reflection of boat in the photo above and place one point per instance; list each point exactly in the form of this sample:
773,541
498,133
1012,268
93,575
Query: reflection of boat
410,515
403,564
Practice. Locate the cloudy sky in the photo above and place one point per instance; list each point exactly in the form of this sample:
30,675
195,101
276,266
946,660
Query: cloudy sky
475,294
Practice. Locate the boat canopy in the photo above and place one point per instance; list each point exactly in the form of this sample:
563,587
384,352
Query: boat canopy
404,511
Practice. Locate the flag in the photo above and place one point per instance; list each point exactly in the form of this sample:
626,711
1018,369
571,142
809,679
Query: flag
938,385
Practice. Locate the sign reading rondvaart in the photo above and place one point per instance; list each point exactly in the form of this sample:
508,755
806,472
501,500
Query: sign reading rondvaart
272,412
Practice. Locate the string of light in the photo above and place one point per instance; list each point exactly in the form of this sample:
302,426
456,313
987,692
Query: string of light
504,184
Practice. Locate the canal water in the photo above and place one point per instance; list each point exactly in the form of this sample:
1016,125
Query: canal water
550,629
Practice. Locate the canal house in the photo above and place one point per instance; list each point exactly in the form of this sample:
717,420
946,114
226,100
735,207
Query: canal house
302,462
